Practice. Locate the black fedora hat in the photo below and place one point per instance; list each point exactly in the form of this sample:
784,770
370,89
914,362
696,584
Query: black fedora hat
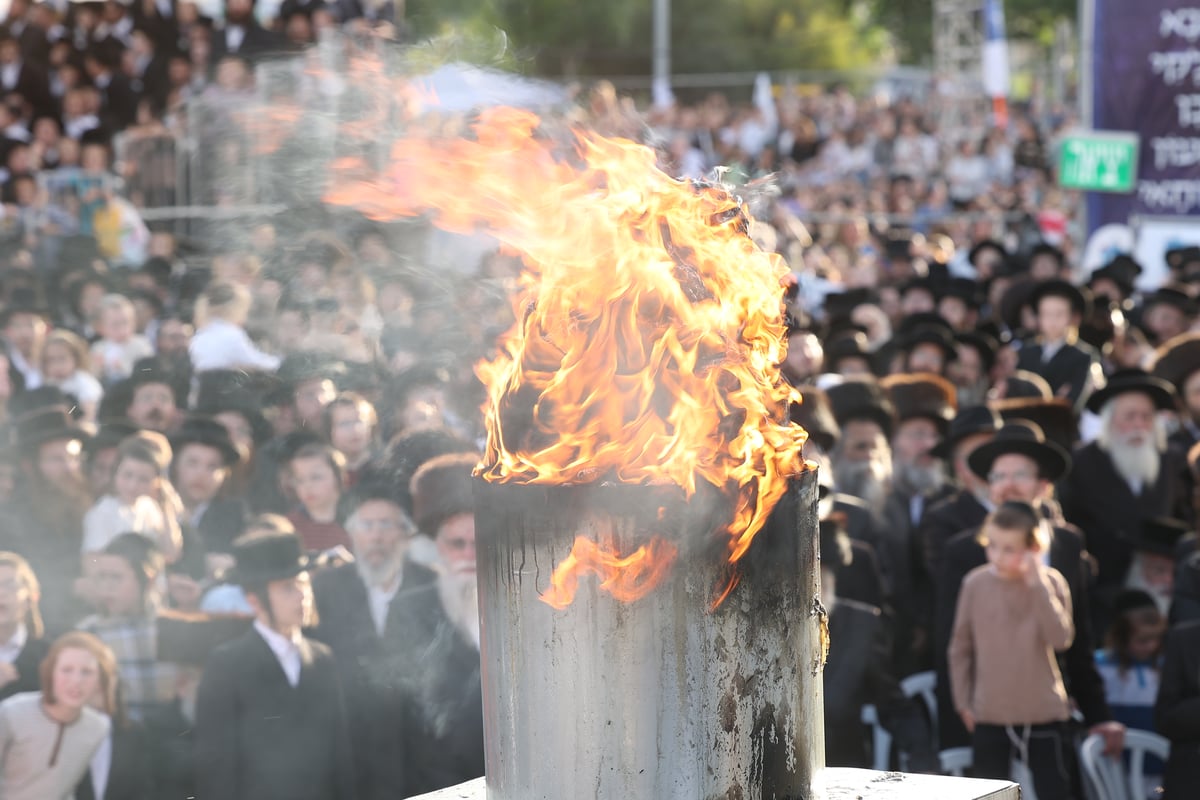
1123,270
1047,249
848,344
1054,415
23,300
1124,381
1026,439
1080,302
197,429
1177,359
1160,535
982,343
222,391
1179,257
43,425
970,421
1171,295
111,433
988,244
264,557
862,399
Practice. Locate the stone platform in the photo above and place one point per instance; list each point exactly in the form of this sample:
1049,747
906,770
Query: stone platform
840,784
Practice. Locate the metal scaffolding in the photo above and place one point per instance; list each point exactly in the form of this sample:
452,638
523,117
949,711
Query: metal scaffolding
958,59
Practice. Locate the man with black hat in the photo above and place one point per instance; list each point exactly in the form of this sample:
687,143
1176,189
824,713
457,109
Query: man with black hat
44,520
360,619
270,721
1116,279
152,401
205,456
1067,364
925,404
1127,475
1178,362
1020,464
1155,551
1168,312
24,323
968,506
437,636
862,457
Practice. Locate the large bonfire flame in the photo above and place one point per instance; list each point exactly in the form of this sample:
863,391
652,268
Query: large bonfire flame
649,327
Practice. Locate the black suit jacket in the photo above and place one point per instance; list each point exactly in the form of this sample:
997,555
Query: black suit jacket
258,738
1185,605
1177,711
1069,371
257,43
438,674
1099,502
380,715
223,521
858,672
942,521
130,772
27,663
1084,684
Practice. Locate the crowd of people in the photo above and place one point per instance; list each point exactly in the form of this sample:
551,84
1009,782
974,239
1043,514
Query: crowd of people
236,525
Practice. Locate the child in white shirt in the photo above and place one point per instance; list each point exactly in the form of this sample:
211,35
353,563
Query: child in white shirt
221,341
120,345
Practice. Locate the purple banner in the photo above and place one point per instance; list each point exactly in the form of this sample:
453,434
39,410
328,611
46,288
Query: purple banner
1146,79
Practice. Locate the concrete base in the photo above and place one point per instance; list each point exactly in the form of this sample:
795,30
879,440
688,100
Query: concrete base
840,784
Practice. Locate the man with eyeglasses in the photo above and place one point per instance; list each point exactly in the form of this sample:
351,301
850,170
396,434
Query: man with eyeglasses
1019,464
438,646
358,608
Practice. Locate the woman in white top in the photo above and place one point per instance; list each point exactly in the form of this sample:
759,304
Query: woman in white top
48,738
221,341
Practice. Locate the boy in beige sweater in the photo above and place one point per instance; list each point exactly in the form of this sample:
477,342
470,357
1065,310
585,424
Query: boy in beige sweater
1013,616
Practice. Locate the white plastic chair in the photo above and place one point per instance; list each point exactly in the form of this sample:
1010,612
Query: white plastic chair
882,740
1107,777
921,684
956,761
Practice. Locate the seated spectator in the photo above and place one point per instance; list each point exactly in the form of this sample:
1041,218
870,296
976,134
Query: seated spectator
1013,617
317,476
141,499
21,634
205,456
48,737
120,346
1131,659
66,365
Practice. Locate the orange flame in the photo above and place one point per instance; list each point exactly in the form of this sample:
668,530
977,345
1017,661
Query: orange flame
649,326
626,578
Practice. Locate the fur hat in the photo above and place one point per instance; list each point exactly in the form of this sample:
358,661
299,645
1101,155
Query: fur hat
922,394
441,489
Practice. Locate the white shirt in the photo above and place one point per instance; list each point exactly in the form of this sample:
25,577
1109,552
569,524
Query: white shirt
379,600
222,345
234,36
13,647
101,764
287,651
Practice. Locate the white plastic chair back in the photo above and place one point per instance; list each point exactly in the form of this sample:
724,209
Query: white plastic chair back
956,761
1107,777
882,740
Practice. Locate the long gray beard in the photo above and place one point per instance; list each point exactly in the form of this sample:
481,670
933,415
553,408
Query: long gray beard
915,480
1135,462
869,481
460,600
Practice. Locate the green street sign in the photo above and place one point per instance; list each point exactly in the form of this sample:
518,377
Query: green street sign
1099,161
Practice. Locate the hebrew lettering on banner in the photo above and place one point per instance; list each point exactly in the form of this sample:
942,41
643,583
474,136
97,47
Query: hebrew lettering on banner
1146,79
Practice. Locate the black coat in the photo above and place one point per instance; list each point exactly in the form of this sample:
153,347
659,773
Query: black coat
27,663
1185,606
438,673
258,738
858,672
257,43
861,580
49,536
172,751
1069,371
1084,684
1177,711
223,521
943,520
1100,503
130,772
379,716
